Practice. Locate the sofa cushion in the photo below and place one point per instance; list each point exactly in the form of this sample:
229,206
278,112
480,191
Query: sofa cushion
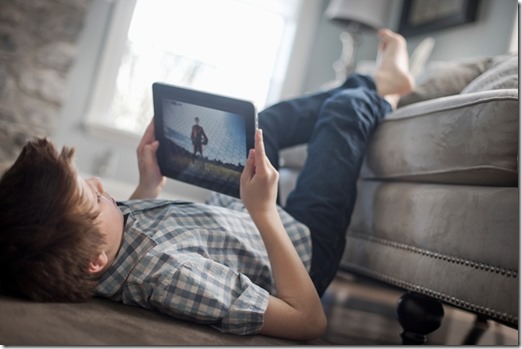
294,157
463,221
502,74
463,139
440,79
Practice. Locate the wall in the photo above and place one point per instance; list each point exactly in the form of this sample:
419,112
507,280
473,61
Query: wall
489,35
38,41
327,49
44,51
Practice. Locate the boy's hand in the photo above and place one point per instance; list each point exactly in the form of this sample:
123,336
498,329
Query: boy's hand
296,310
151,180
258,188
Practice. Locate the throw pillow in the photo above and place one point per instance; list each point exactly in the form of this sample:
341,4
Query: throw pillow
503,73
441,79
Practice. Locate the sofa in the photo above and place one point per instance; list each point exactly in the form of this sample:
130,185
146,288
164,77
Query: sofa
437,209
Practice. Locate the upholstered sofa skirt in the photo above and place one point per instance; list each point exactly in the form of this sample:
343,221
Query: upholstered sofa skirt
444,241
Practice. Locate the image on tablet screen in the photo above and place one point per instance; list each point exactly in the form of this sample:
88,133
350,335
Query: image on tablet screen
205,146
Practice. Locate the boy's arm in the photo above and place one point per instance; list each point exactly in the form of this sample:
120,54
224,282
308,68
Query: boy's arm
151,180
296,312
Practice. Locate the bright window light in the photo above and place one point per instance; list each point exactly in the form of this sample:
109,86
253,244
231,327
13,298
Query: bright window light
228,47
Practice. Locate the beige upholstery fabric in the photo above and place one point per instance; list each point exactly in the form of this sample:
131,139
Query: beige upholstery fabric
440,79
449,239
502,74
457,283
462,139
442,219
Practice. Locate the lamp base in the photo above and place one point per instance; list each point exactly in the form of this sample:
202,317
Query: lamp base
350,40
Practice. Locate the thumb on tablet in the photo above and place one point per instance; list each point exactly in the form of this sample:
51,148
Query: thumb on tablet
250,167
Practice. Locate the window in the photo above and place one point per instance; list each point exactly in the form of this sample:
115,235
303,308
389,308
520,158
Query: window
237,48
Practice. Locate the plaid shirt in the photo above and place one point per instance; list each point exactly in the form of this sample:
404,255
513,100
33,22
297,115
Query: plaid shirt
205,263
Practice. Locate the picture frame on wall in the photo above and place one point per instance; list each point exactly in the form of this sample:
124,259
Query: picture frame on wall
426,16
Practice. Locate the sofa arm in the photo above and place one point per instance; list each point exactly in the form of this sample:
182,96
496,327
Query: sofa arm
449,103
462,139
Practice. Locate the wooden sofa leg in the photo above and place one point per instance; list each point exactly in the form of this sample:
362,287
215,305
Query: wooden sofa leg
419,316
480,326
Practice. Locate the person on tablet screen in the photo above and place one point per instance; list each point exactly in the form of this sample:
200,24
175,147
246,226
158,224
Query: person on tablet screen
199,138
244,266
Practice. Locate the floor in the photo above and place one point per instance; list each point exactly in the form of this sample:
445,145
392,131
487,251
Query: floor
362,312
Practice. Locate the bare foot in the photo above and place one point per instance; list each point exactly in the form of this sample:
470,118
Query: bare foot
392,76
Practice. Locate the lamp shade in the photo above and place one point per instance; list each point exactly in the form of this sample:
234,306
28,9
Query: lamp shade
369,14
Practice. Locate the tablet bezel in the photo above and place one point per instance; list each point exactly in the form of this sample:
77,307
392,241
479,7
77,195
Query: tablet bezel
243,108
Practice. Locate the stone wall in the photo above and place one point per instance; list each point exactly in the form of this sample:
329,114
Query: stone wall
38,44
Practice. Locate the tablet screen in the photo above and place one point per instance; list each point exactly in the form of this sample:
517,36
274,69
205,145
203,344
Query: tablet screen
204,138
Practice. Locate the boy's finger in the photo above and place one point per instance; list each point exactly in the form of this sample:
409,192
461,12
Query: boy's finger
260,145
249,170
148,135
150,129
261,159
150,149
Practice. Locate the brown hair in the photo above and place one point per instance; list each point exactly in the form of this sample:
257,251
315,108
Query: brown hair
47,230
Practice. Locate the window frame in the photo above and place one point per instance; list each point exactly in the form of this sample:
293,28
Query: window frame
110,59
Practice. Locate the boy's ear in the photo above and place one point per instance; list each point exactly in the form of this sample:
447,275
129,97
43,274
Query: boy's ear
98,263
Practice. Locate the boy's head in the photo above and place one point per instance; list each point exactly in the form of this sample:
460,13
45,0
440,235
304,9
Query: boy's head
48,234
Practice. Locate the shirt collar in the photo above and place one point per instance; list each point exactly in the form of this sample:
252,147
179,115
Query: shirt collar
134,246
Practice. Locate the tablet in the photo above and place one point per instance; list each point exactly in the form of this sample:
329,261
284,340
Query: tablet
204,138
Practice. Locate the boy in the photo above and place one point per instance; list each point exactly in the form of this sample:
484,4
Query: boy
244,268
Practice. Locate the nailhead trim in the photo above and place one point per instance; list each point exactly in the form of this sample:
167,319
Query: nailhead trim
436,255
494,314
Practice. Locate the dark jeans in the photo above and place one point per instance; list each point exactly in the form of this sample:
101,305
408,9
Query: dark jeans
337,125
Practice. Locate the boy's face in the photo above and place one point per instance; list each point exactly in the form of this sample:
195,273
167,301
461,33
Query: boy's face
110,218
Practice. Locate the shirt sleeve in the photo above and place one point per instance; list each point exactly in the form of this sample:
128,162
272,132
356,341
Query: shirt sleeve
204,291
